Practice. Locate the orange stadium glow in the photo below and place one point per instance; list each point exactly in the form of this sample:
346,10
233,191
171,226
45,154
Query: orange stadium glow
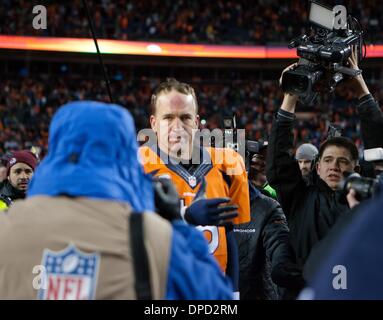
156,49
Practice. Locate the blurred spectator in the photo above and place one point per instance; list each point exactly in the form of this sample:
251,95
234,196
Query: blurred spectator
19,171
305,155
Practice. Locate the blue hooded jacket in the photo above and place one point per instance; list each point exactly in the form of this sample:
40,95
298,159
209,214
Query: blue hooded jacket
93,153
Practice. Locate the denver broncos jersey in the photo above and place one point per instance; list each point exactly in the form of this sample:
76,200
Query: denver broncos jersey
225,175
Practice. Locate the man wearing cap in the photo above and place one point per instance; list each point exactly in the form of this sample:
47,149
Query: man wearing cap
305,156
20,168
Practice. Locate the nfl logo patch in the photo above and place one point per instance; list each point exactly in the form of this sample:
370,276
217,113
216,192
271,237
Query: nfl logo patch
192,181
70,274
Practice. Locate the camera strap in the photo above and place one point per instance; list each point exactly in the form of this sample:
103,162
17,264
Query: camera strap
140,258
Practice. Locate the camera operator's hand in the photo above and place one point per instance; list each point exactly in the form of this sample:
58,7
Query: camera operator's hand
166,199
209,212
289,100
290,67
351,199
357,82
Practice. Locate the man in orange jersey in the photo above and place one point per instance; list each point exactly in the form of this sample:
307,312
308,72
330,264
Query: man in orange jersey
211,172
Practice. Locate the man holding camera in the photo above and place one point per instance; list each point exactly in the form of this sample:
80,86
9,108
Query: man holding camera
312,210
371,120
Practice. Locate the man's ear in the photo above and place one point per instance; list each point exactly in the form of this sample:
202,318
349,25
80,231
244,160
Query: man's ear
197,121
317,166
153,122
357,168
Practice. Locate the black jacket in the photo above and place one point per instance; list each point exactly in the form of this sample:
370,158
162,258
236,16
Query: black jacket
311,210
7,190
371,121
263,247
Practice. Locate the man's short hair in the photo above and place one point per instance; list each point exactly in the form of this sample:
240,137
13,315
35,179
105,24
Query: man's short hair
343,143
169,85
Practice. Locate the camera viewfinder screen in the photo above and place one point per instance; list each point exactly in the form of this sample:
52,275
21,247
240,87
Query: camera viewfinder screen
321,16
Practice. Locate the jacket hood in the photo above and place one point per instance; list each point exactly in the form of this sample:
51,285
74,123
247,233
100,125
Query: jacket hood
92,153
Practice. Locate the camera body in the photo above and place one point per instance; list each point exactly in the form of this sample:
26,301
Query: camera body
230,133
365,188
323,57
252,148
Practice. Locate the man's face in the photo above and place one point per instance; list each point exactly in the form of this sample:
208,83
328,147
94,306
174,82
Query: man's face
258,164
305,166
334,162
20,175
173,122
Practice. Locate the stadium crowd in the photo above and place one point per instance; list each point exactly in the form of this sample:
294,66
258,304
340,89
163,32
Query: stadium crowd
106,218
28,104
235,22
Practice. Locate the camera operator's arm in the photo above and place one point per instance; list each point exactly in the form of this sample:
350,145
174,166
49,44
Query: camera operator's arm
371,116
282,169
289,100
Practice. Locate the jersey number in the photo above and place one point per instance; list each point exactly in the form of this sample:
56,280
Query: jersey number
212,236
210,232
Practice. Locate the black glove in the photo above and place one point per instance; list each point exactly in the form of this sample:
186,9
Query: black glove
166,199
288,275
208,212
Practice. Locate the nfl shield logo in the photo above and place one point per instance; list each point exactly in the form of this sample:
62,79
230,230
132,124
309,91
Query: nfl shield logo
192,181
70,274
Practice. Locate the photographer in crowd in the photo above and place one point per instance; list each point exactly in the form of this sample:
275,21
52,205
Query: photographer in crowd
266,257
357,249
371,121
313,210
